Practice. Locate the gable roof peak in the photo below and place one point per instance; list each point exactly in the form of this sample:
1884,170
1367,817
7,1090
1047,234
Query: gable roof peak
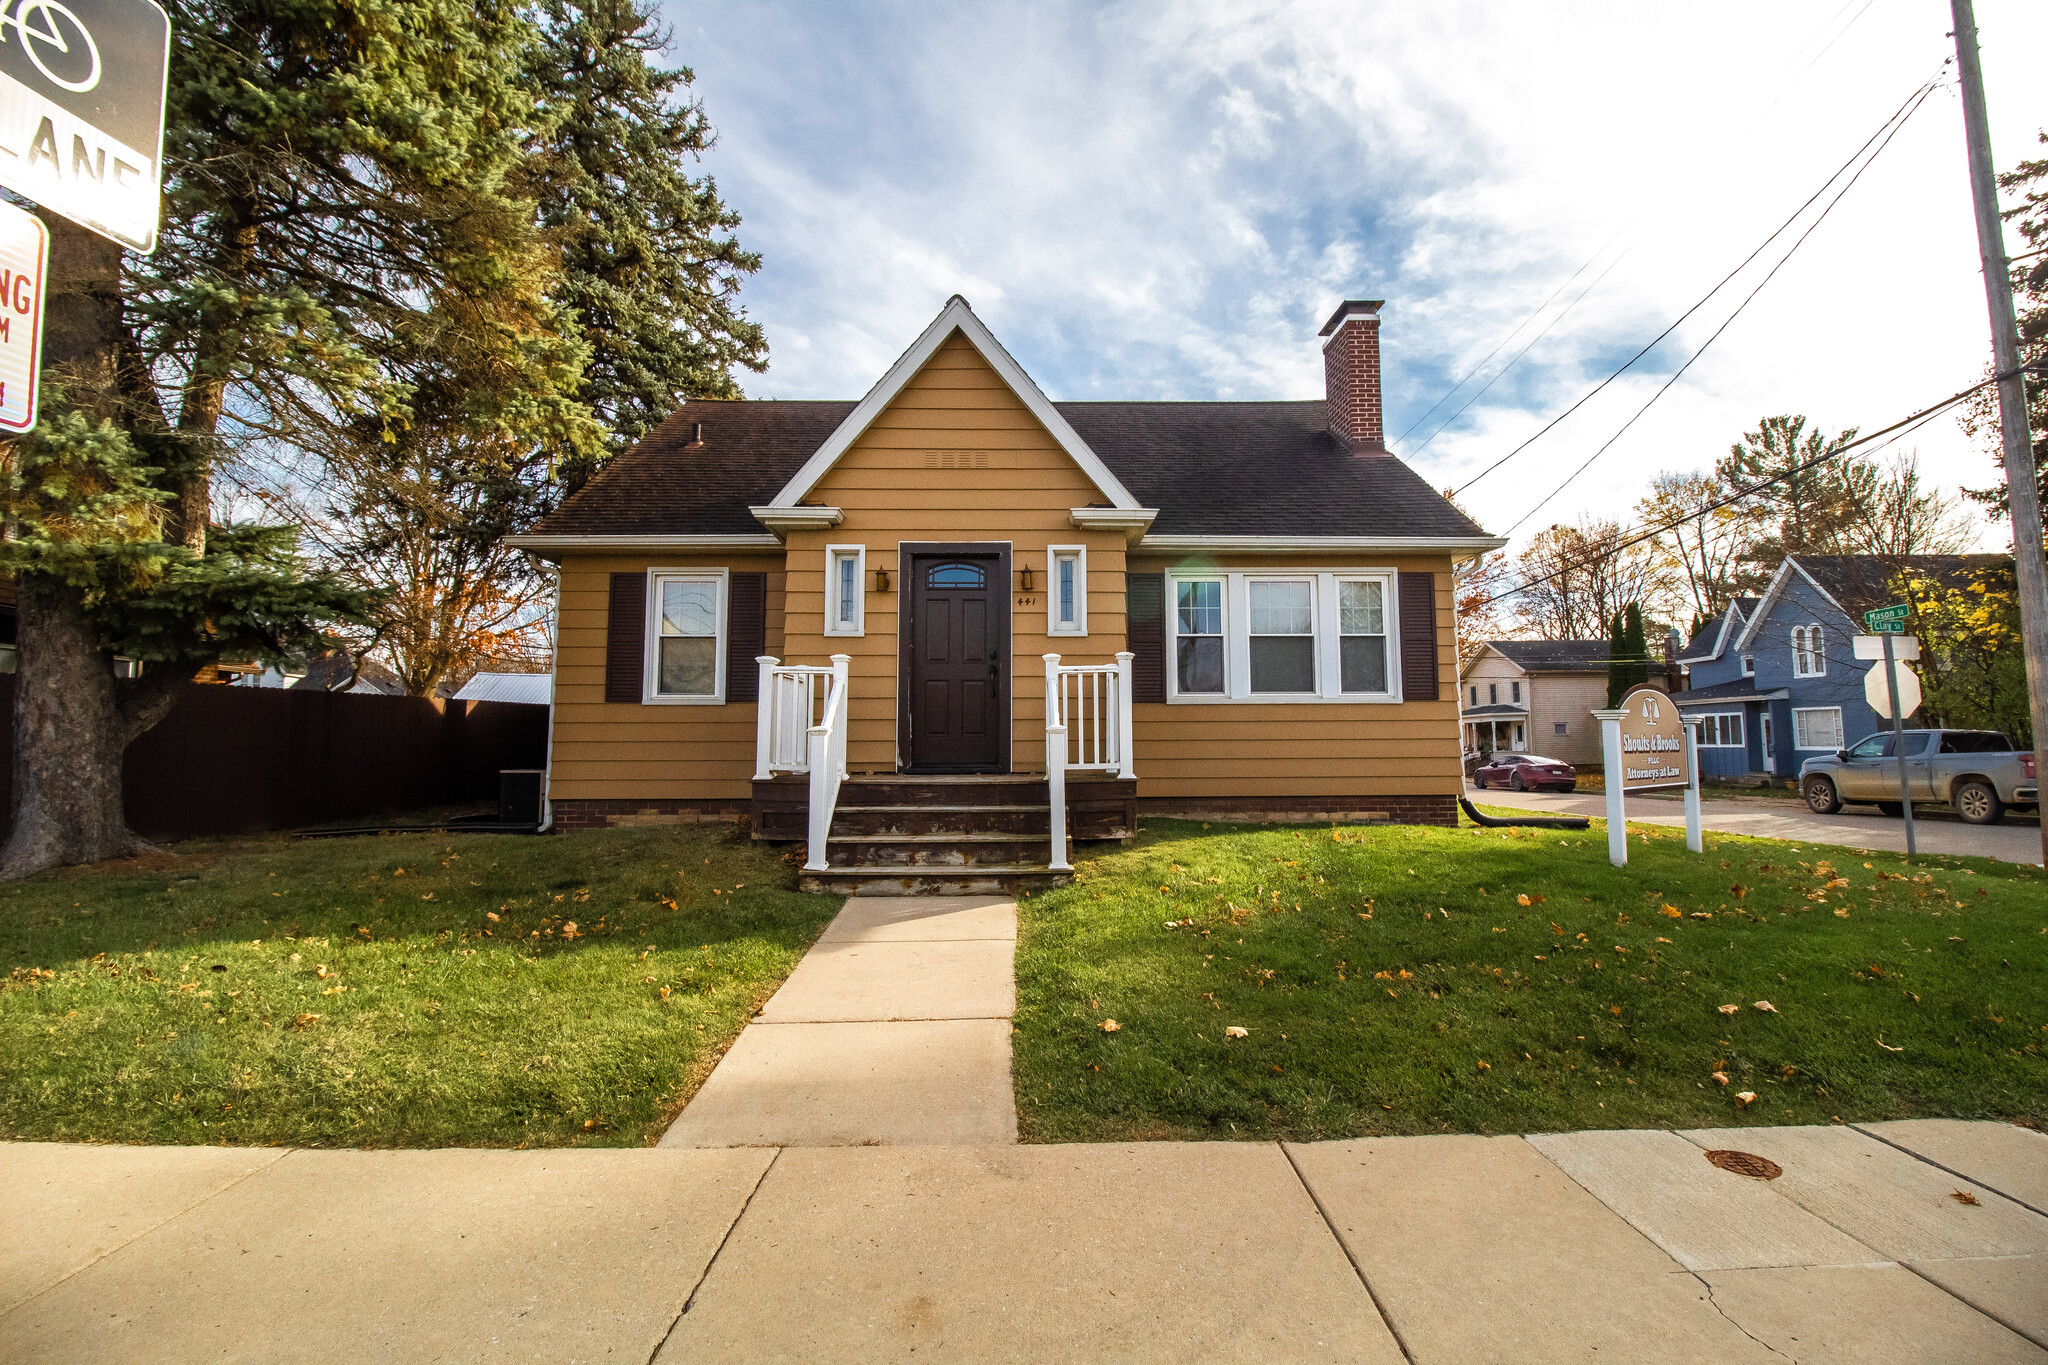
956,316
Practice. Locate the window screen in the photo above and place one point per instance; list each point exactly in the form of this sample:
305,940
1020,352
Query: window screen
1198,662
1283,637
1362,637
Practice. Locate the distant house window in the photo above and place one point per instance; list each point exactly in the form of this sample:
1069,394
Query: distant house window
1809,652
1475,694
1817,727
1721,731
845,584
1493,694
1749,665
1067,607
1514,691
1561,729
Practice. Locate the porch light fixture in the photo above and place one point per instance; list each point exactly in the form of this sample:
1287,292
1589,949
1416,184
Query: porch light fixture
1024,576
881,580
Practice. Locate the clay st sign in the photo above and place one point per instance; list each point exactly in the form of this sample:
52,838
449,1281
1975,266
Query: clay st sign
1652,742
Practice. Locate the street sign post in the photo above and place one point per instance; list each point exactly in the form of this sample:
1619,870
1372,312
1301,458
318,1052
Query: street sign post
82,110
1889,620
24,260
1895,701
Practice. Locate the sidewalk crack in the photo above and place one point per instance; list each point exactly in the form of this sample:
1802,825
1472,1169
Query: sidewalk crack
1716,1305
690,1301
1345,1247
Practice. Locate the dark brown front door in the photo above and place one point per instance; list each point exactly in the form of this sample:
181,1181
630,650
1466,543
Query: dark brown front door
957,684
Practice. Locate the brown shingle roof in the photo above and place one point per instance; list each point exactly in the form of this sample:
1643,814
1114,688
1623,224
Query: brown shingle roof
1210,469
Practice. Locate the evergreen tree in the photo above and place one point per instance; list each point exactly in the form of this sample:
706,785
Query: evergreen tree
1617,647
336,175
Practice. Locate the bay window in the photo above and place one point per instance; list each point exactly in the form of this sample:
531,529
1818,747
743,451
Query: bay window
1276,636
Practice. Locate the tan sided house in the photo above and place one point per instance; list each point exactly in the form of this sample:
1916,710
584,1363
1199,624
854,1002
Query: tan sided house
845,619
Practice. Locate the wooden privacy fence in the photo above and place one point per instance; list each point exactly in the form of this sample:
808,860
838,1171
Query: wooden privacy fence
236,760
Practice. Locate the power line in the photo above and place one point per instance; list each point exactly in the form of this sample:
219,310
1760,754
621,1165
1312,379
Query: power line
1784,87
1706,298
1895,430
1679,373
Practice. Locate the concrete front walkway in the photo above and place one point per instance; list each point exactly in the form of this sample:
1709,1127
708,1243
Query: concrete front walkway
1770,818
893,1030
1896,1242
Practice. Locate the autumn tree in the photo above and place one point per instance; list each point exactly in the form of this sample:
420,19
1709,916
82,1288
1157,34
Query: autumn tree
1571,580
1704,544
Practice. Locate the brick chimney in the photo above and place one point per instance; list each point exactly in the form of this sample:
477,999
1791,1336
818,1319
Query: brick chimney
1351,376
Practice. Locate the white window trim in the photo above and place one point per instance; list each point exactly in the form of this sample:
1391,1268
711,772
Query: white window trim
859,555
1809,646
651,640
1749,665
1328,622
1052,590
1798,726
1706,729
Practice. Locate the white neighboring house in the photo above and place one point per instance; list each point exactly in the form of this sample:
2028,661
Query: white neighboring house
529,689
1537,696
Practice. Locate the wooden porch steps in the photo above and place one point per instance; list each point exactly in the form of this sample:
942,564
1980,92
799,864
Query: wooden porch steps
917,834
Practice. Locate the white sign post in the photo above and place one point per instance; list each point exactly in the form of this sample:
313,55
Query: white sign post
24,259
1693,839
1610,749
82,110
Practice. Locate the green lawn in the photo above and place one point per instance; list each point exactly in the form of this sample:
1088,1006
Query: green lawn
415,990
1394,980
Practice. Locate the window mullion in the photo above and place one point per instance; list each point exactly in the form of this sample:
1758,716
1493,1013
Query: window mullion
1237,616
1329,641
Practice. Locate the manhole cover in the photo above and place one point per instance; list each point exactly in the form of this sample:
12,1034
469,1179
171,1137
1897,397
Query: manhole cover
1746,1163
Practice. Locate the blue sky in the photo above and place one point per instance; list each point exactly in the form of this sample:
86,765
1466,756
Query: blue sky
1164,200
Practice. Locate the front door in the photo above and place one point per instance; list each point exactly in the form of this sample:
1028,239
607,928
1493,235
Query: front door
955,687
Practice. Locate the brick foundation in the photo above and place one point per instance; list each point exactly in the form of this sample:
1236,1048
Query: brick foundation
625,814
1306,810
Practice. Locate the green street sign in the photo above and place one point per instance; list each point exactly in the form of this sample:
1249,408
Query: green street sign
1887,620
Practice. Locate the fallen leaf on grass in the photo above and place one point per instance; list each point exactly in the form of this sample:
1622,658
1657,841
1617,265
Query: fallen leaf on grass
1841,914
664,992
1746,1098
305,1021
1767,1007
1964,1197
1740,890
1730,1009
1887,1046
1662,939
1721,1076
1522,900
1233,1031
1110,1026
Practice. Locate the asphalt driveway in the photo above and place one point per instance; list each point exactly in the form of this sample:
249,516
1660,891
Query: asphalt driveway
1770,818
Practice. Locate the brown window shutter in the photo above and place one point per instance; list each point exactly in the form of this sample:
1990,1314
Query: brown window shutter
746,635
625,638
1418,637
1145,634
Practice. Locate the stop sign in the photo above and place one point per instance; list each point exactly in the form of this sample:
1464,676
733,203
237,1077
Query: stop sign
1879,695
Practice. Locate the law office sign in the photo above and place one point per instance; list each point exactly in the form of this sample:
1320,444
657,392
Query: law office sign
1653,752
82,110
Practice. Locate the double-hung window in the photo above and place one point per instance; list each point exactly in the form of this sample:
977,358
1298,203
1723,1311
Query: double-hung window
1198,645
1066,606
1282,644
686,636
1809,654
846,589
1279,636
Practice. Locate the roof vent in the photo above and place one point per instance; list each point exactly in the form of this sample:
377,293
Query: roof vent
696,433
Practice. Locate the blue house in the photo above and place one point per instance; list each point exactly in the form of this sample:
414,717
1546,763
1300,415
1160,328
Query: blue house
1775,678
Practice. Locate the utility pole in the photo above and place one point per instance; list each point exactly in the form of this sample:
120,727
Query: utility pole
2021,479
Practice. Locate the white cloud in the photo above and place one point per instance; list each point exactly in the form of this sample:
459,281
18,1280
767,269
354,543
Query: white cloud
1164,200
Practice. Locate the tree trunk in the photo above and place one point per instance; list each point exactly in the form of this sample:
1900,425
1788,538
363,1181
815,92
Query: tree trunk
69,736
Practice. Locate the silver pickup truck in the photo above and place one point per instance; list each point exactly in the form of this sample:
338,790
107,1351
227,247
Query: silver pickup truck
1977,772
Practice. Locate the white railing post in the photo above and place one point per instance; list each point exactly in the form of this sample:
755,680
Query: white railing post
1056,765
842,680
818,757
764,718
1126,742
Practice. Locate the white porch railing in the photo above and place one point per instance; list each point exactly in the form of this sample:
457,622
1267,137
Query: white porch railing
1087,729
801,728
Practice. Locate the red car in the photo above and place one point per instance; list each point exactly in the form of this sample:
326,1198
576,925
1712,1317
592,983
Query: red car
1526,771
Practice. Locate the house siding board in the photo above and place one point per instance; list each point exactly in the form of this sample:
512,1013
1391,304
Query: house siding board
1218,751
890,496
612,751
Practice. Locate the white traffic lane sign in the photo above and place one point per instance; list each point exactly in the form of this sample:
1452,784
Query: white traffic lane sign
24,261
82,110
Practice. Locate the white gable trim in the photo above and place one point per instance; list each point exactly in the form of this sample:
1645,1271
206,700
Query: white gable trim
955,316
1728,619
1770,598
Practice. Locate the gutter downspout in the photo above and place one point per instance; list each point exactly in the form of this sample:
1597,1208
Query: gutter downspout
547,774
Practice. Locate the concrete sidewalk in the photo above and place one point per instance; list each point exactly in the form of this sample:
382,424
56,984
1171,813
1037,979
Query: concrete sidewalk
1769,818
1616,1246
894,1030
